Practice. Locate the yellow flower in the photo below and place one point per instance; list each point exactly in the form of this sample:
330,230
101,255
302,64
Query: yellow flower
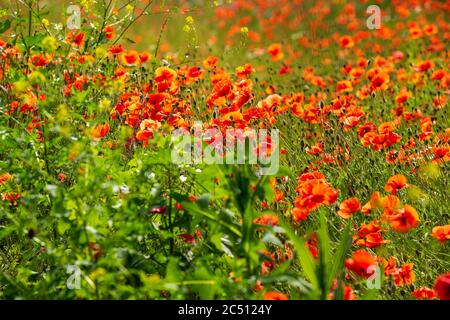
45,22
36,77
50,43
105,104
186,28
129,8
189,20
100,52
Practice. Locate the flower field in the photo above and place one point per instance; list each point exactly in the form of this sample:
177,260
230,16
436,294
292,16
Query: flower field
121,120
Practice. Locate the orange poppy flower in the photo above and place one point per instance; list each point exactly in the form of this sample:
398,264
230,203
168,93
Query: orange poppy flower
76,38
389,202
430,29
275,50
404,275
424,293
415,33
372,204
143,57
348,207
267,220
210,62
120,71
100,131
369,235
299,214
130,57
273,295
441,153
396,183
344,86
346,42
4,178
403,220
403,96
441,233
360,263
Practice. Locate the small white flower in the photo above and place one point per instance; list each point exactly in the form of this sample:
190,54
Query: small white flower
183,178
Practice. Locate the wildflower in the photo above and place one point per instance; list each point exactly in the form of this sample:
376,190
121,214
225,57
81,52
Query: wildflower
346,42
109,32
76,38
344,86
100,131
267,220
360,263
372,204
348,207
50,43
143,57
424,293
438,74
442,286
396,183
369,235
115,49
441,233
210,62
5,177
402,220
404,275
45,22
275,50
273,295
424,66
130,57
11,197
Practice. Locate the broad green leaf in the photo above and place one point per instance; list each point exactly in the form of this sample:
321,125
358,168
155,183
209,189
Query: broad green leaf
304,257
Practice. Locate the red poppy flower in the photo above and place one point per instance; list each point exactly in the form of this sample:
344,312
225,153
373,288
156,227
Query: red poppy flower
442,286
424,293
360,263
109,32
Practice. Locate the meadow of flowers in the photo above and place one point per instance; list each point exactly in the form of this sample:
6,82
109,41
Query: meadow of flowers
93,206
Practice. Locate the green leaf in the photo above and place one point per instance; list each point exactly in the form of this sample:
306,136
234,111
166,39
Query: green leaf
5,25
4,232
369,295
193,208
304,257
341,252
207,289
324,256
173,273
